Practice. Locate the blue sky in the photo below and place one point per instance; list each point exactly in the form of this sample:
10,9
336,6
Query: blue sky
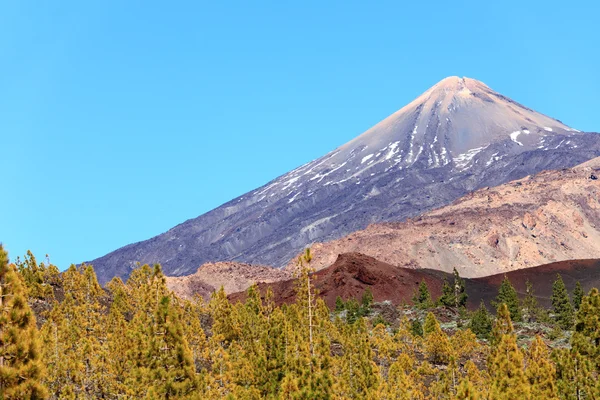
121,119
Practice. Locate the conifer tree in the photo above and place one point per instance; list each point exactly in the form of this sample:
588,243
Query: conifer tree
224,322
563,310
431,324
416,327
437,345
36,277
577,295
540,371
422,298
532,308
339,304
170,364
586,338
574,374
117,341
460,294
193,310
502,325
508,295
481,322
508,379
307,345
464,343
357,375
466,391
399,385
73,336
366,302
447,298
21,369
477,379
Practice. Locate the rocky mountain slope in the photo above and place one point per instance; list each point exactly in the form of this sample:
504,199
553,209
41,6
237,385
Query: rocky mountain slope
548,217
352,273
232,276
458,136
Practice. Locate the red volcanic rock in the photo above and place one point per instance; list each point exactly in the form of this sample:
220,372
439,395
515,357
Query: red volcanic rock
353,273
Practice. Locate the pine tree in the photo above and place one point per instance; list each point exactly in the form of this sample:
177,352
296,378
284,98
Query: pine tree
563,310
464,343
399,385
163,366
540,371
431,324
532,308
508,379
73,335
307,342
437,345
466,391
422,298
357,375
460,294
574,375
366,302
21,369
416,327
477,380
339,304
481,322
447,298
502,325
586,338
36,277
577,295
508,295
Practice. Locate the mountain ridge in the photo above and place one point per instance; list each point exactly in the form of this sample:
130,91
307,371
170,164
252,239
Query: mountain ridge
548,217
456,137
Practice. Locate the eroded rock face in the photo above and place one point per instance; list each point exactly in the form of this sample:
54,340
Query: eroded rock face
549,217
456,137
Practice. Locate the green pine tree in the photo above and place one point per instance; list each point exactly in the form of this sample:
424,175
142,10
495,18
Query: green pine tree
447,298
577,295
422,298
563,310
339,304
416,327
481,322
366,302
508,295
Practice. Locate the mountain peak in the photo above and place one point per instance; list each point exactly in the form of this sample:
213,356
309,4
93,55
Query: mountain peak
458,135
455,116
457,84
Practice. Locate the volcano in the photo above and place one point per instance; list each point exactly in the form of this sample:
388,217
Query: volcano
457,137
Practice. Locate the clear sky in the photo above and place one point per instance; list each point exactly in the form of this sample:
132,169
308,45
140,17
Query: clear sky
120,119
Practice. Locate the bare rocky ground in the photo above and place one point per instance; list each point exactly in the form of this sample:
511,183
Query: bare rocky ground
552,216
233,277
